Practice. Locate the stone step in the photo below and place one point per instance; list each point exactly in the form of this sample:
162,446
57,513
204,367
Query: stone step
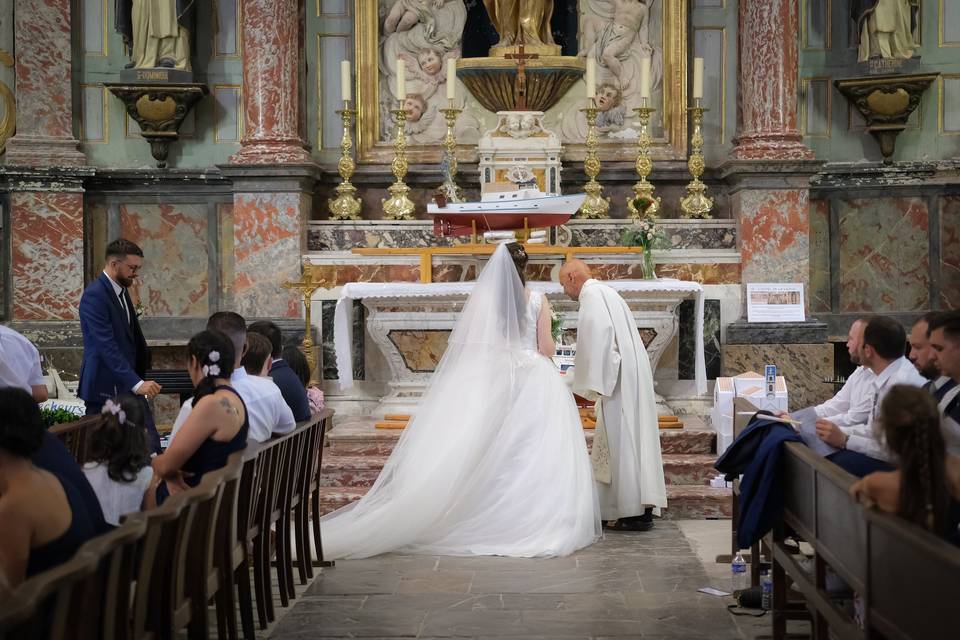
361,471
359,438
684,502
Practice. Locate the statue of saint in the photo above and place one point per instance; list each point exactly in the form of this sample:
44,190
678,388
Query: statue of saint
885,27
527,18
156,32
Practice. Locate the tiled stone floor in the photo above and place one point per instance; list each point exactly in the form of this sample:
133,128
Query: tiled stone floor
629,585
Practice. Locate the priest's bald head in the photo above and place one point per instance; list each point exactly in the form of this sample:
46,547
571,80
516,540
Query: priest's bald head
572,276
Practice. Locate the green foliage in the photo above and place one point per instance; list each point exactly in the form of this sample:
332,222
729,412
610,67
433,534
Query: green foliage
51,417
556,326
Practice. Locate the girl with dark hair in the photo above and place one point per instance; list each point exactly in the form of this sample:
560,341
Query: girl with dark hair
42,516
918,490
301,366
217,425
120,471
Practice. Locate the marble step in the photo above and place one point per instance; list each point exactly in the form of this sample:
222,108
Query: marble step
685,502
361,471
351,439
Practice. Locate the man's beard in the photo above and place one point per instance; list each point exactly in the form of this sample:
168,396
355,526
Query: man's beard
930,372
126,283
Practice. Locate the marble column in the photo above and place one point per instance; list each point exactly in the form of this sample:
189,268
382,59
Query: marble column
44,92
767,77
46,235
271,90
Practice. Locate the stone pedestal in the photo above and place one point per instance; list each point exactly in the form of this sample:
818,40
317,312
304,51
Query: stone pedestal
800,350
46,235
271,206
44,93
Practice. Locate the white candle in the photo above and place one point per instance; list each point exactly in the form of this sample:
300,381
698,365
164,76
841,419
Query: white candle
591,77
401,80
645,78
345,80
451,79
697,78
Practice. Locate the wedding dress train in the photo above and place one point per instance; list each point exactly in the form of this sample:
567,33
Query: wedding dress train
494,461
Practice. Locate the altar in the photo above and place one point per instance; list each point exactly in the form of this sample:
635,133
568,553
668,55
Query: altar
411,322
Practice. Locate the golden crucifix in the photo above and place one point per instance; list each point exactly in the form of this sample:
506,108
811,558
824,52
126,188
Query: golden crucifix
306,287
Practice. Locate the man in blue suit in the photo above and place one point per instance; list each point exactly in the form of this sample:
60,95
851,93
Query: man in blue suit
283,376
115,355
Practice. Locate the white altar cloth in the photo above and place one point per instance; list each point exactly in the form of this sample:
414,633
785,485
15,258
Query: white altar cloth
343,316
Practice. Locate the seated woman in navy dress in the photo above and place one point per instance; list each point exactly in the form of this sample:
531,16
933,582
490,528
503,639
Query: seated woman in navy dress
217,426
43,517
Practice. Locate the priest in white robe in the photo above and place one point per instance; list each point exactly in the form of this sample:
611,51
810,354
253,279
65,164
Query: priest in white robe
612,368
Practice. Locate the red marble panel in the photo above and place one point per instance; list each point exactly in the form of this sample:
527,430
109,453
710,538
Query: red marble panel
819,293
774,234
704,273
267,247
330,276
46,232
175,278
950,252
884,255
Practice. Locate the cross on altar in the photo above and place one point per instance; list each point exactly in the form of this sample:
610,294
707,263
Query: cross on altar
520,84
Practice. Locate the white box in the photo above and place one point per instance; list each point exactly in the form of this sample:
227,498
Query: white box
749,385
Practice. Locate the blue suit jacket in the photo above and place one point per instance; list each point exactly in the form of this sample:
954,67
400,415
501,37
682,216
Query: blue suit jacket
291,389
115,355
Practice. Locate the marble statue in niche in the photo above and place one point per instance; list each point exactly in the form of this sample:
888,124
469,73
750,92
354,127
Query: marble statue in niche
885,28
514,20
425,36
617,34
156,32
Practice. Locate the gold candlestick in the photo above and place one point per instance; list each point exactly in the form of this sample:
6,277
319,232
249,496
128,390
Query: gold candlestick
643,188
399,206
696,204
346,206
449,164
595,206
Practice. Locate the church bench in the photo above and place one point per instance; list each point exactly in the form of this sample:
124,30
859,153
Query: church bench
75,436
905,576
170,561
172,382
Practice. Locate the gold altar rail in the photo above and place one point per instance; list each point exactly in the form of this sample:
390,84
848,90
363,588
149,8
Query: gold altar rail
427,253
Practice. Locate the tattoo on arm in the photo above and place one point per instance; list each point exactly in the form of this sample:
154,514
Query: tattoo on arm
229,408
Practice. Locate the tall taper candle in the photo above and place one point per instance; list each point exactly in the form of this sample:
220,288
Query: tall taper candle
451,79
591,77
401,80
345,80
697,78
645,78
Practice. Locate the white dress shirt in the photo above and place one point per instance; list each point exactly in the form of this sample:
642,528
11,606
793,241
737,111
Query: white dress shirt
19,361
950,420
267,411
865,438
118,291
852,404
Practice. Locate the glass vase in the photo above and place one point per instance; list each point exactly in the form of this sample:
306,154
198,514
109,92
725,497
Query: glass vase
648,272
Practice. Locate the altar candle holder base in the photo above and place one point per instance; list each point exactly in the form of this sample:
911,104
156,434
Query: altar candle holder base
449,164
644,166
595,205
399,206
346,206
696,204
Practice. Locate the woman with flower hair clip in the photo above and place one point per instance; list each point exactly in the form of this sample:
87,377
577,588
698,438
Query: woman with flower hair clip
217,426
120,471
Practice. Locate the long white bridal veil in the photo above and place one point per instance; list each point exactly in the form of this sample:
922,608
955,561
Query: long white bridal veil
451,430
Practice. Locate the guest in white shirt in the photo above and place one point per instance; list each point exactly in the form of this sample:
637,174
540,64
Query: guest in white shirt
945,350
853,402
861,451
267,411
119,470
20,364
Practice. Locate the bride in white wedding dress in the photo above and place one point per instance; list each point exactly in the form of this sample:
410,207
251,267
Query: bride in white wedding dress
494,461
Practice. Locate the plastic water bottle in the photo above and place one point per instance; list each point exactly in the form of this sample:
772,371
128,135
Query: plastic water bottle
766,585
738,571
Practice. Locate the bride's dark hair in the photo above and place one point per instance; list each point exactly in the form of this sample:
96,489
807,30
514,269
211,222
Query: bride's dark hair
520,259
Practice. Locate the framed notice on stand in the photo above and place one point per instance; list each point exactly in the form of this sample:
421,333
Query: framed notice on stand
767,302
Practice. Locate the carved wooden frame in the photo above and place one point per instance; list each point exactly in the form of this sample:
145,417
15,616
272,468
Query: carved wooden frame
671,146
